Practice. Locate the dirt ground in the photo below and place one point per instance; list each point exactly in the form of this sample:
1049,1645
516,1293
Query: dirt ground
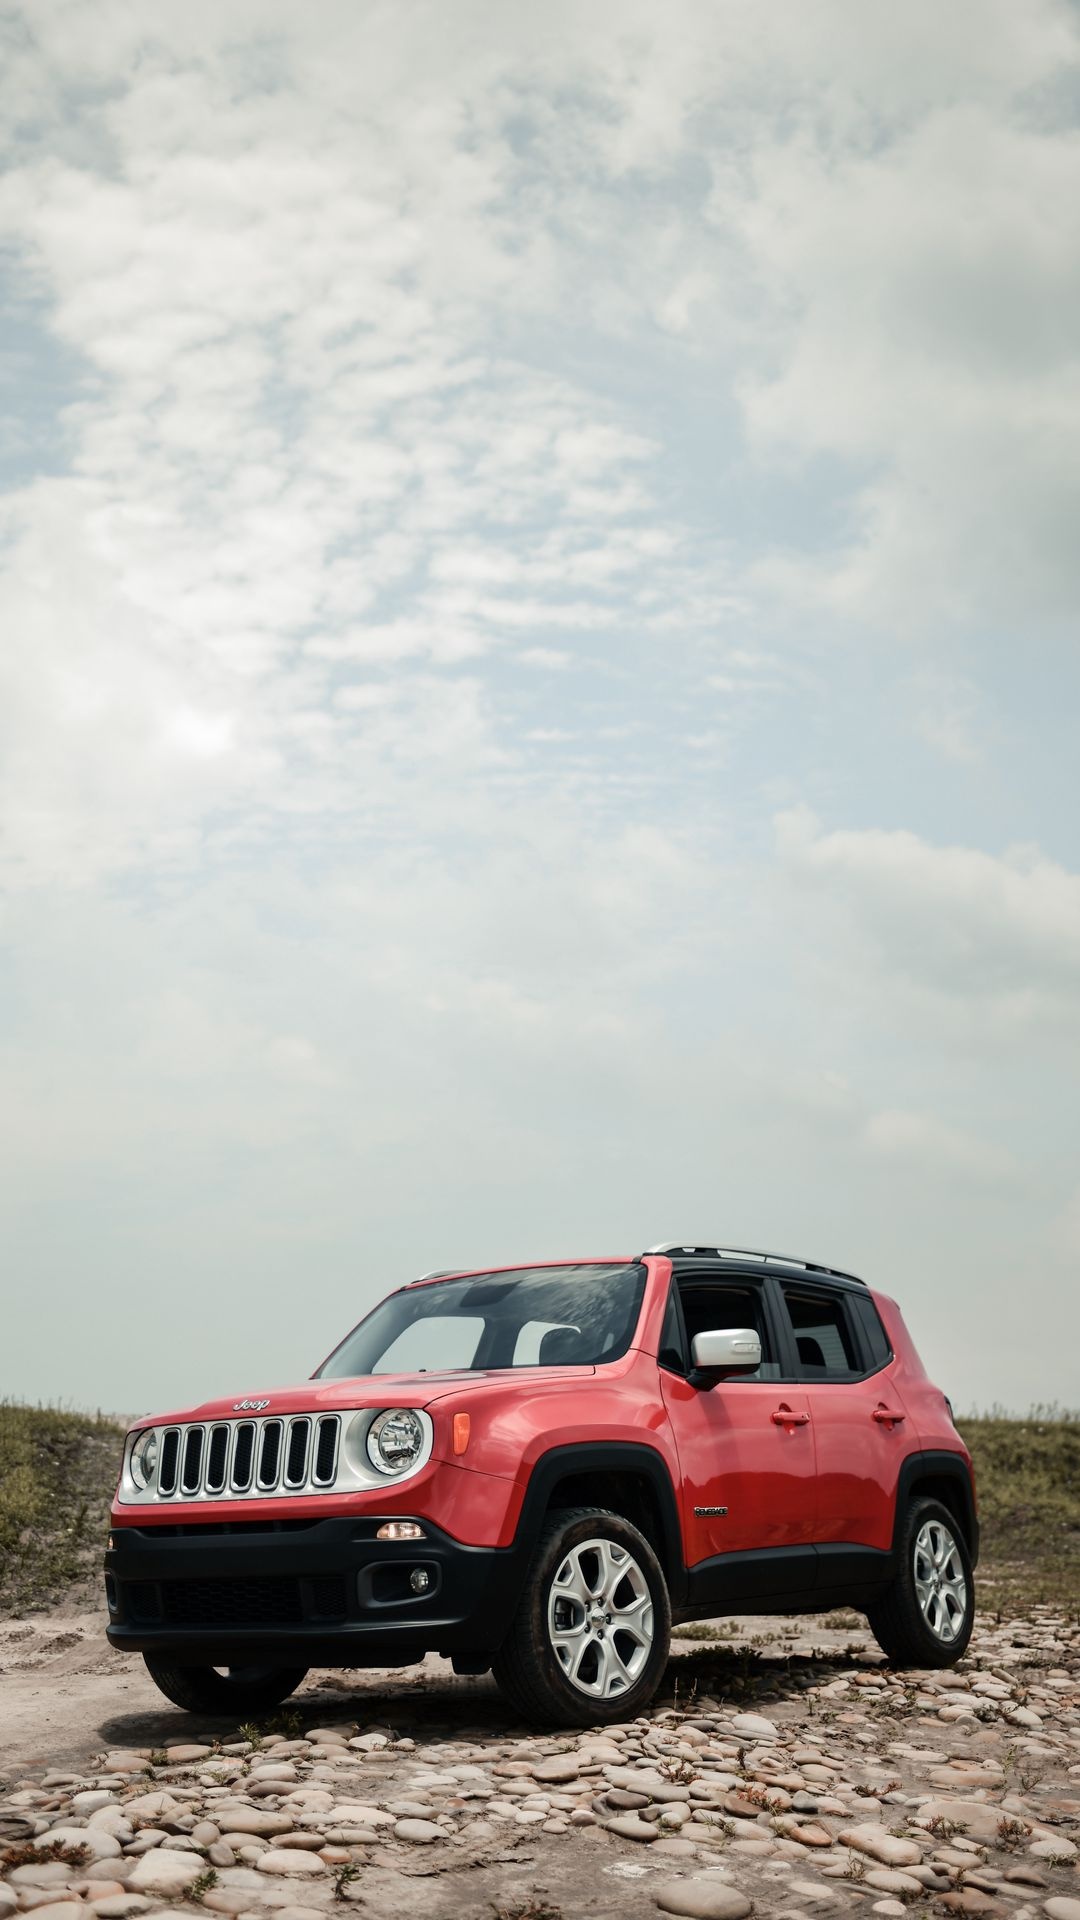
65,1695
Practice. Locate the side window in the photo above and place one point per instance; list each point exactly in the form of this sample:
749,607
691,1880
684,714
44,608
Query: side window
710,1306
875,1338
824,1337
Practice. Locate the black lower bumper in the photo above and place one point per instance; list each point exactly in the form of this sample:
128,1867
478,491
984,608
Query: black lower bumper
312,1593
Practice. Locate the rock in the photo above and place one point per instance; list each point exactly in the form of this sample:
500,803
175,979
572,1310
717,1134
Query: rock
629,1827
889,1880
61,1910
1062,1907
756,1725
220,1854
165,1870
562,1767
182,1756
970,1901
807,1834
1056,1849
702,1897
103,1846
152,1806
420,1832
112,1820
352,1813
292,1862
880,1845
251,1820
117,1906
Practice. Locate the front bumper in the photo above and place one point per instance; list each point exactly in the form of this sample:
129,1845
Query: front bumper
307,1592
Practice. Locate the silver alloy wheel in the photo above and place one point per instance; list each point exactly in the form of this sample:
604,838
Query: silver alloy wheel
600,1618
940,1581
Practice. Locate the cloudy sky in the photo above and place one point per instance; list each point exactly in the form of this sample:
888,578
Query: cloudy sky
538,666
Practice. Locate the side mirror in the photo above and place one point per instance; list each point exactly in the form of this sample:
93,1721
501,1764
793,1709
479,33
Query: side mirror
735,1350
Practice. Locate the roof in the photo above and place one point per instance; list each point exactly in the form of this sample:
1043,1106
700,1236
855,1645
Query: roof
695,1250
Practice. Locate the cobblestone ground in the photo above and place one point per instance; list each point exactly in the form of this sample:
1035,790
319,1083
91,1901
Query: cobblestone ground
799,1779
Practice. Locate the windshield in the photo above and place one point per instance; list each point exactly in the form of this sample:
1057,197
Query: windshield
531,1317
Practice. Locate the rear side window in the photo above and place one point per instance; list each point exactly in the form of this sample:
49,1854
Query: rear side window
824,1337
875,1338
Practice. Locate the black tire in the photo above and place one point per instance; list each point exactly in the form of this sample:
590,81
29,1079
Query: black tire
527,1667
232,1692
898,1622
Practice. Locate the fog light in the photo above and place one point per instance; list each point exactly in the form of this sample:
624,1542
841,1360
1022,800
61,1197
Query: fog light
400,1530
419,1580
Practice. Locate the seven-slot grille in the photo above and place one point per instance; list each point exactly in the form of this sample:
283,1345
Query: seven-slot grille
298,1454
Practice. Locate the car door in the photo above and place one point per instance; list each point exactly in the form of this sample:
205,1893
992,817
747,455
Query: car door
745,1445
845,1368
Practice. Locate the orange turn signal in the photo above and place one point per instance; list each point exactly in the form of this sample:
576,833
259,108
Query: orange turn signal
462,1429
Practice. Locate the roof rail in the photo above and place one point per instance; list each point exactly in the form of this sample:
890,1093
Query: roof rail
694,1250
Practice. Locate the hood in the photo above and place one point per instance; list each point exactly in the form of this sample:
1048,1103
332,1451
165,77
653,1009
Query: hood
373,1390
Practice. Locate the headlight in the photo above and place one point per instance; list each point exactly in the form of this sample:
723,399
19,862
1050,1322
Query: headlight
395,1440
144,1458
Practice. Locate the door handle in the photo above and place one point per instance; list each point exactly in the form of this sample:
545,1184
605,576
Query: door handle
887,1416
783,1417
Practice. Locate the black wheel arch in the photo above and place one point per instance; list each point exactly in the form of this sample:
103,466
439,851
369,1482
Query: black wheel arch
945,1477
629,1477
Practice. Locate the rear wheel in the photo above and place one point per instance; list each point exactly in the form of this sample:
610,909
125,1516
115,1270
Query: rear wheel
232,1691
589,1641
925,1618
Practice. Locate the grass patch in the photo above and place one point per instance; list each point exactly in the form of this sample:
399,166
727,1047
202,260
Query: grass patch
57,1474
1028,1477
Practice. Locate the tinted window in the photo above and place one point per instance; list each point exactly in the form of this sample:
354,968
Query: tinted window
875,1338
718,1306
824,1338
547,1316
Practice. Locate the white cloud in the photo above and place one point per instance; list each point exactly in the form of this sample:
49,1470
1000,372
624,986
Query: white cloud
976,928
922,287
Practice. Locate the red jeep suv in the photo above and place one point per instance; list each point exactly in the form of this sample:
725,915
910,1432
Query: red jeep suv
537,1470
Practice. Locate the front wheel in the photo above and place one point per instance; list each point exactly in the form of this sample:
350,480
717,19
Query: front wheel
231,1691
924,1619
589,1641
